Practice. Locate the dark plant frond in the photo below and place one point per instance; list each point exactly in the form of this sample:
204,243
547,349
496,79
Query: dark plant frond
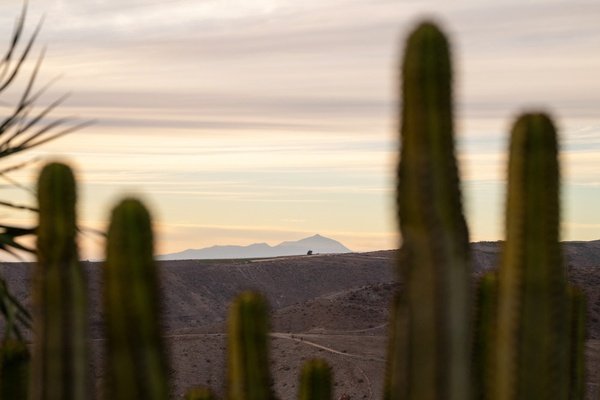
93,235
41,132
17,184
35,120
14,72
24,127
25,103
44,135
4,175
8,239
19,166
32,78
92,231
23,108
15,315
56,135
17,206
18,119
18,127
19,25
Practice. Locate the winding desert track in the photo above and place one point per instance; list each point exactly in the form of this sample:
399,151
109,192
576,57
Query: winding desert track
345,332
300,339
279,335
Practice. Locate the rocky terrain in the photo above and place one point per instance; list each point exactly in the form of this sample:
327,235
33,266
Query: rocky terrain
329,306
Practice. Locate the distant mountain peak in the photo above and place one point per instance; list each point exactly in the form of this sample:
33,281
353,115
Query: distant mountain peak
317,243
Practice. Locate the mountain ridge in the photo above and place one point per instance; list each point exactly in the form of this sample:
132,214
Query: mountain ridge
318,244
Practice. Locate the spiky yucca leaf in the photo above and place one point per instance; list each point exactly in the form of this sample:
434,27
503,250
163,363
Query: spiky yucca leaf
21,129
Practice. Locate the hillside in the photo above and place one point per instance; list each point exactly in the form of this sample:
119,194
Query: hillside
579,254
331,306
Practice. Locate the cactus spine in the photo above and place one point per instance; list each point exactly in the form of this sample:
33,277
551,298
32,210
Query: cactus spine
136,362
435,249
248,359
315,380
200,393
531,339
60,351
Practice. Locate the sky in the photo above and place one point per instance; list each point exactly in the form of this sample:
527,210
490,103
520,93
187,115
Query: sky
244,121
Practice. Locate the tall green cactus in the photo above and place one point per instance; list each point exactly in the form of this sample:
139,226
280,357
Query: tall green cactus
576,364
531,337
136,362
435,249
249,376
395,372
484,335
60,355
14,370
315,380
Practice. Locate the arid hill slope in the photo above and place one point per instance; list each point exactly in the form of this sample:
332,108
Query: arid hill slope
330,306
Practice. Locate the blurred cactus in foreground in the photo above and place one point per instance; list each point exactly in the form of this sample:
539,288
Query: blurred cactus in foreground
249,377
315,380
14,370
576,350
395,377
136,364
531,341
484,335
60,354
435,248
200,393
